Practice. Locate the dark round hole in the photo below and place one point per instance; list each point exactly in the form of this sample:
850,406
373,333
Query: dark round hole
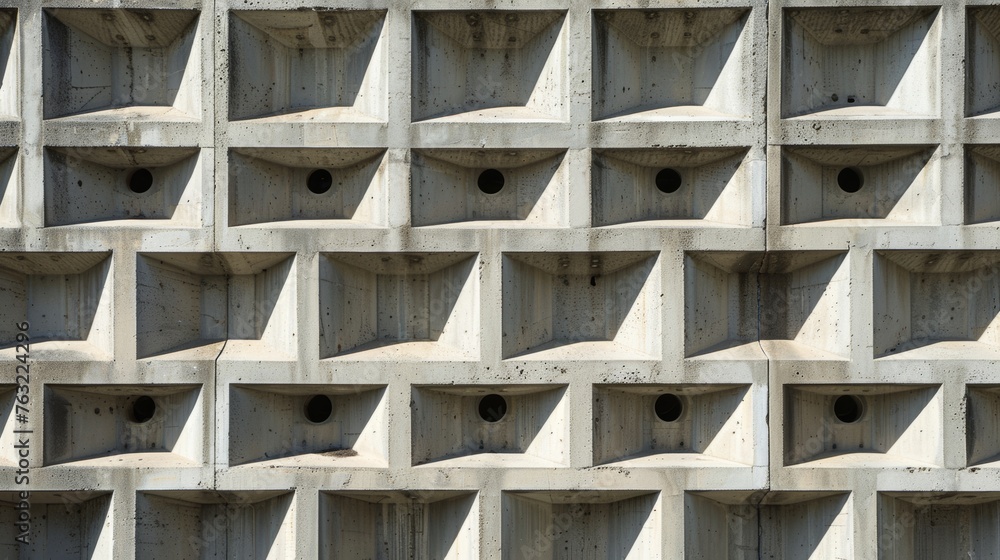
668,180
848,408
140,180
319,181
492,408
491,181
143,409
318,409
850,180
668,407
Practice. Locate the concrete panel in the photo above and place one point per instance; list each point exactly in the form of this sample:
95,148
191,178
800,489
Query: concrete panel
429,279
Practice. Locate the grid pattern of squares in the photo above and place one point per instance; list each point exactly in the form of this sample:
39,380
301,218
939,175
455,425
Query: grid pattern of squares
599,279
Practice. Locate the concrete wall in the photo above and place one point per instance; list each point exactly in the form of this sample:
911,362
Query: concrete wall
427,279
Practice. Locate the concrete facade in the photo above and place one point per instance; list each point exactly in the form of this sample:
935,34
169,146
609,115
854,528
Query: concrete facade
427,279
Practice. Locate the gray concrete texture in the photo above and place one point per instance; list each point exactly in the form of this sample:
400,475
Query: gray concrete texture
387,279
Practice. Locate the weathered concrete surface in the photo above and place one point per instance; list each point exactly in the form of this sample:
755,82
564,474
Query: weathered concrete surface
424,279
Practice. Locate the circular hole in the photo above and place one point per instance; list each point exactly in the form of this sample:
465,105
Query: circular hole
850,180
318,409
140,180
143,409
668,180
848,408
492,408
668,407
491,181
319,181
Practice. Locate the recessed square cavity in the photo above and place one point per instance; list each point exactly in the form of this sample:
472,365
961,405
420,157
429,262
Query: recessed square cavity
316,64
204,525
788,525
70,525
581,306
791,305
122,64
489,187
10,188
66,298
409,306
694,426
982,73
490,65
125,425
866,62
982,175
681,186
307,187
982,425
928,526
571,524
442,524
8,420
10,81
204,306
690,64
145,187
937,305
838,185
863,426
307,425
480,426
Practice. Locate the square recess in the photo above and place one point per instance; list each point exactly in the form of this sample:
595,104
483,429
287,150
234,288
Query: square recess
863,426
9,65
932,525
683,187
10,188
982,426
478,426
937,305
687,64
307,65
8,421
489,188
442,524
581,306
208,306
66,298
204,525
407,306
576,524
125,425
308,425
691,426
117,64
307,187
790,305
119,186
861,62
850,185
490,65
982,94
982,175
70,525
787,525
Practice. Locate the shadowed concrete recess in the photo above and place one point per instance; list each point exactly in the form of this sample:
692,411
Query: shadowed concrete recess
437,280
